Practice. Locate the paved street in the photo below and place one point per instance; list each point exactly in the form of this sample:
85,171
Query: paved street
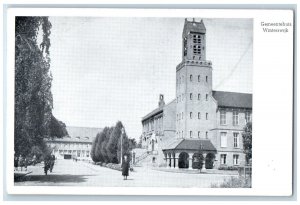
70,173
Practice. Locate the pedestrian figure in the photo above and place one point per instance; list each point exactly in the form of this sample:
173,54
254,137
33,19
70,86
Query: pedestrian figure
47,163
16,161
21,162
125,167
52,161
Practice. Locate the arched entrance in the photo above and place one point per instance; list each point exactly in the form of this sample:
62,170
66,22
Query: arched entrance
197,161
209,161
183,161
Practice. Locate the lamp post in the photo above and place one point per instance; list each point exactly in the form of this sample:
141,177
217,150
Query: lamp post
122,133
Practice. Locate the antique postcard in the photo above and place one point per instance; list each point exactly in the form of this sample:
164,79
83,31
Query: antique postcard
158,102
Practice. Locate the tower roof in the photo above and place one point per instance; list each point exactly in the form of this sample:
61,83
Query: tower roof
193,26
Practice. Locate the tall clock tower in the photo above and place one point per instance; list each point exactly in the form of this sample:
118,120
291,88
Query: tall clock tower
194,103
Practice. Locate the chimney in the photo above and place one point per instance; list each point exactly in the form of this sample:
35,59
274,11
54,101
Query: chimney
161,101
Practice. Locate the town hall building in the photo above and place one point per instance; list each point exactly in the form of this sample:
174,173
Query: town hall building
200,124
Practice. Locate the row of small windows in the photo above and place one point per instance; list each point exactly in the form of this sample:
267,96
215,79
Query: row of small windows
180,134
181,79
180,116
181,97
235,117
235,159
197,39
224,139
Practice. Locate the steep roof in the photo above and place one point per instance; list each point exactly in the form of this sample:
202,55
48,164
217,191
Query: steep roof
79,134
193,26
194,144
232,99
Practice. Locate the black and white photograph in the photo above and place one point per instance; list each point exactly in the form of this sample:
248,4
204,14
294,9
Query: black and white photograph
149,102
133,102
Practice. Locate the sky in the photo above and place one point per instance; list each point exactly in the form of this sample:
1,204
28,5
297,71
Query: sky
110,69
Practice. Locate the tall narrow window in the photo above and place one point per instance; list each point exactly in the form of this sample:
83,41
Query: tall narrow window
198,134
223,117
206,135
206,97
184,46
191,78
199,96
235,140
247,117
223,139
199,115
191,96
198,78
191,115
223,158
182,115
206,78
235,118
207,116
191,134
235,159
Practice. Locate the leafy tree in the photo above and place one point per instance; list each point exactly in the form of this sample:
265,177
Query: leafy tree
33,98
247,140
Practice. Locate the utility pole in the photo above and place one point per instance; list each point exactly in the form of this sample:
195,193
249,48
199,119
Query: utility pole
122,133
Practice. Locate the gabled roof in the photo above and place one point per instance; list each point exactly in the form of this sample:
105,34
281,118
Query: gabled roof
232,99
194,144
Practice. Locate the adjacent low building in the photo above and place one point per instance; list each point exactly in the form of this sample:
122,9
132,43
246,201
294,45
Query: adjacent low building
76,145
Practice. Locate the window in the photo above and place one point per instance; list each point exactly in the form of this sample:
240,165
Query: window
199,96
235,117
191,115
206,97
198,134
223,139
191,134
199,115
206,116
223,158
182,115
247,117
197,50
191,96
197,39
206,78
185,45
182,133
223,117
206,135
235,159
198,78
235,140
191,78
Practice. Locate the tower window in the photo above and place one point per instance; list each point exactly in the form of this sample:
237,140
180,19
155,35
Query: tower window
199,96
191,134
207,116
191,78
182,115
191,115
206,135
198,78
199,115
197,50
197,39
206,78
198,134
206,97
191,96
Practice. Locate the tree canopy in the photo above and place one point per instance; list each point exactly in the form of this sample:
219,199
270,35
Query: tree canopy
247,140
33,98
106,146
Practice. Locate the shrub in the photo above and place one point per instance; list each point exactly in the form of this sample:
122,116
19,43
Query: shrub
228,168
234,182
